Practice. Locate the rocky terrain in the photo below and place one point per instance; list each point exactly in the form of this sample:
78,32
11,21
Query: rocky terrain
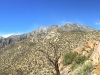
20,55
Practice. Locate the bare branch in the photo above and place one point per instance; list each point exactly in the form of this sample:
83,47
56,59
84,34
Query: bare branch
47,56
56,56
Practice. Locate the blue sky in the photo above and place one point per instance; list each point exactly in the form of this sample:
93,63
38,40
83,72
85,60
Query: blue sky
22,16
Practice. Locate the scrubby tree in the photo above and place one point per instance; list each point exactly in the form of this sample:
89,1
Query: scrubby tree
54,58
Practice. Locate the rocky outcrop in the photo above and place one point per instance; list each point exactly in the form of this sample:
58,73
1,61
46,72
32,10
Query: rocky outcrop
95,57
85,50
64,70
96,71
79,49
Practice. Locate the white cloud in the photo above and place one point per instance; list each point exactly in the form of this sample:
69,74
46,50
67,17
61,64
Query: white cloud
97,23
7,35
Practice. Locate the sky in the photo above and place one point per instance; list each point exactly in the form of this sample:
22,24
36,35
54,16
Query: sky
22,16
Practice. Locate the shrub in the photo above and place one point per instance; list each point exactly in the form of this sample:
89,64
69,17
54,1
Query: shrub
74,59
80,59
74,66
91,51
85,70
69,58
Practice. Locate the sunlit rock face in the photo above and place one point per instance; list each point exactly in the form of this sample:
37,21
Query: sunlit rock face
96,71
85,50
96,53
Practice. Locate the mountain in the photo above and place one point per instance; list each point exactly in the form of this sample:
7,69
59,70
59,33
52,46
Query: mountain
66,28
76,27
20,55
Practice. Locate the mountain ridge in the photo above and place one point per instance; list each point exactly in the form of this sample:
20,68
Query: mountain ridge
66,28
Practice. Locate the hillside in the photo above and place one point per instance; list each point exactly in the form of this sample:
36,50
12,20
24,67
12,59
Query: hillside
21,56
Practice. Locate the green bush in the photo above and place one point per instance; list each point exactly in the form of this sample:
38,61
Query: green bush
69,58
74,59
74,66
91,51
77,61
85,70
80,59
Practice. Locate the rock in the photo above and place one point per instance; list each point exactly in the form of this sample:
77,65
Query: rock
79,49
91,44
85,53
95,57
65,70
96,71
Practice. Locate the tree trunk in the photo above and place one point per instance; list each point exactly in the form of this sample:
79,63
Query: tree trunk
57,69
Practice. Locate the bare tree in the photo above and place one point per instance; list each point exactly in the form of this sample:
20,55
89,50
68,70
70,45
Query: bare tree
53,59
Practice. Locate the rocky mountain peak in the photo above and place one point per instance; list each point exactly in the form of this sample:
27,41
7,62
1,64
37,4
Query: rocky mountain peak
76,27
41,30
